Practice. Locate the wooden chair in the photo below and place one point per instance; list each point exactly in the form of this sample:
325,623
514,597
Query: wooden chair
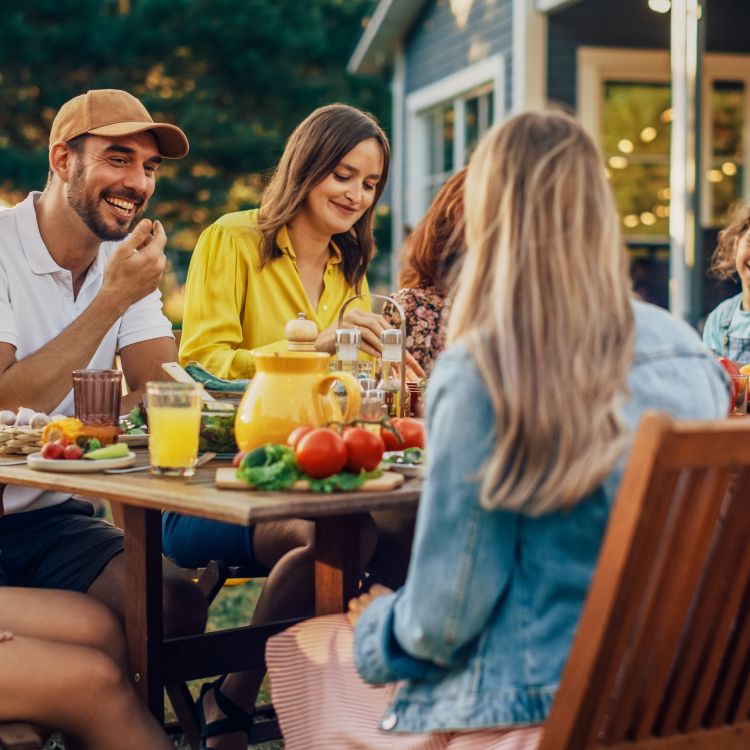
233,648
661,658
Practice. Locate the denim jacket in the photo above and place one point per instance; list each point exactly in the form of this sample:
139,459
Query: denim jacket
479,634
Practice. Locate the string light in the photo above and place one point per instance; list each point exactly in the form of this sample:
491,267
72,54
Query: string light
618,162
660,6
648,134
625,146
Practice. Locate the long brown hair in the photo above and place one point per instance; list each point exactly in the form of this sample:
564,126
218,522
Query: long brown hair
543,307
431,251
312,152
723,264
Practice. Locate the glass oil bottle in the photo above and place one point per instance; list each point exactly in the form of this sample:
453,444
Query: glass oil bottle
390,373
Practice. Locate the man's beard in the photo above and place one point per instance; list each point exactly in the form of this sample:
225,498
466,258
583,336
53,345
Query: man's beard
87,208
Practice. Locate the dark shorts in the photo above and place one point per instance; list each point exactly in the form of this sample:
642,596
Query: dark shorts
61,547
192,542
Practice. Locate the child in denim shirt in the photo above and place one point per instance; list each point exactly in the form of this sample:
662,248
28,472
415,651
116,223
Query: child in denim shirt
727,329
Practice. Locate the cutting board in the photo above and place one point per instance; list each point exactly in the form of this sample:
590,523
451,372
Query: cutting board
226,479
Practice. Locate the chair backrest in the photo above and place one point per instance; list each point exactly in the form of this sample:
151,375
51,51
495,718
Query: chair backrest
661,658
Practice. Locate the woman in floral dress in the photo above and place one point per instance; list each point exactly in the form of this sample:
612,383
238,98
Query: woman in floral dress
430,257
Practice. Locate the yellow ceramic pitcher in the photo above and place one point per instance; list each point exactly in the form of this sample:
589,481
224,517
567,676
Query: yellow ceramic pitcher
292,389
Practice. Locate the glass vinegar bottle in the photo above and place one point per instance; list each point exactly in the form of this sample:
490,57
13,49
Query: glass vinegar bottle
390,372
348,341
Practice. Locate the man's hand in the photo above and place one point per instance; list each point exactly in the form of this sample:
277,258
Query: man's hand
136,266
360,603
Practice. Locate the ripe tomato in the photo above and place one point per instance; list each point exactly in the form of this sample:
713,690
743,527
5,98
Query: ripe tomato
364,449
53,450
321,452
297,435
411,431
72,452
238,458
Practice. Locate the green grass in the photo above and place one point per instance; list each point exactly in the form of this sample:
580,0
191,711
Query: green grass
232,607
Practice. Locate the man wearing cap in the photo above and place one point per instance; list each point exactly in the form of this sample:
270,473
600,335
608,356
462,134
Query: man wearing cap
79,270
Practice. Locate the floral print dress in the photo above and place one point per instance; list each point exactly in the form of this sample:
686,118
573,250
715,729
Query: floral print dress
426,310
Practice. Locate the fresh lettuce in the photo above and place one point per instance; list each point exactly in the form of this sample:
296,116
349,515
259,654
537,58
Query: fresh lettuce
270,467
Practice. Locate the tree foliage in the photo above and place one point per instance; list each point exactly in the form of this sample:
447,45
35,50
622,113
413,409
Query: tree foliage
236,76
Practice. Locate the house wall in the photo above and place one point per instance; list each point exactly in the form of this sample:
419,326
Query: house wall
436,47
625,23
615,23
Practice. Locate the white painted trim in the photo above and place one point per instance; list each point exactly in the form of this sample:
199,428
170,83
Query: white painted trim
597,64
490,70
398,160
529,56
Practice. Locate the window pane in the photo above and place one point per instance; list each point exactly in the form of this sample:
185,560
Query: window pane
473,126
448,139
635,139
725,170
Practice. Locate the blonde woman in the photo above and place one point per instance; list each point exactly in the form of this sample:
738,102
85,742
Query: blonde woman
549,366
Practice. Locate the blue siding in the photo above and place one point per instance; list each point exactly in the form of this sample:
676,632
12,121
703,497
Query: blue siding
623,23
436,47
593,23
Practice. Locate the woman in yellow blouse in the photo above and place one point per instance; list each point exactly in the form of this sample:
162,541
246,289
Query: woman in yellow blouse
305,250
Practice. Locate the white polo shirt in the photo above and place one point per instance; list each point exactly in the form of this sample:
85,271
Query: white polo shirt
37,304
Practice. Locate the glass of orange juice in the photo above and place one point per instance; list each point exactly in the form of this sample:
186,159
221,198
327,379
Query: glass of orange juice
174,420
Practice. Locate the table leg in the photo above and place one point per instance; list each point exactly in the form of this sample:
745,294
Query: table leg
336,562
143,603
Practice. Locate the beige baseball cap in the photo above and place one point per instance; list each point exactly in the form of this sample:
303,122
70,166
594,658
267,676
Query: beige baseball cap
110,112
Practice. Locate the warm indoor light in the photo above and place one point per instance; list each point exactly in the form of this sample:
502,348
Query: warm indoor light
648,134
662,211
666,115
625,146
660,6
618,162
648,219
714,175
631,221
729,168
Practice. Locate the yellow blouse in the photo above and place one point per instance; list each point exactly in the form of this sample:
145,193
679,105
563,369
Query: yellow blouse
233,306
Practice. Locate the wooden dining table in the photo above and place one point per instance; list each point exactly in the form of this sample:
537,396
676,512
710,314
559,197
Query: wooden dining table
155,661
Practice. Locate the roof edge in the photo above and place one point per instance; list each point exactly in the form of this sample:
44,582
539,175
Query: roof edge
389,22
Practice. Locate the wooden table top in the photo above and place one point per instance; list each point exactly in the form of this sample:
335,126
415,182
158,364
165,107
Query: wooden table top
198,496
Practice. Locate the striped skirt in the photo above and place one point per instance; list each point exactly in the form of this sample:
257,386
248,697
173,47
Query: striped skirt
323,704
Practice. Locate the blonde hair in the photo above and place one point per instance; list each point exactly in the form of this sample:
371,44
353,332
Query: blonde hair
543,306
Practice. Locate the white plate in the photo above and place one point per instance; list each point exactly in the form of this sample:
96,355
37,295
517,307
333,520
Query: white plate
134,440
83,465
408,470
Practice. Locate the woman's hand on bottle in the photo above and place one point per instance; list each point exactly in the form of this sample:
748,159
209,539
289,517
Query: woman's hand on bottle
370,325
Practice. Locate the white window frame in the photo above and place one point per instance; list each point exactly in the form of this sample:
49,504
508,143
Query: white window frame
452,89
599,64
